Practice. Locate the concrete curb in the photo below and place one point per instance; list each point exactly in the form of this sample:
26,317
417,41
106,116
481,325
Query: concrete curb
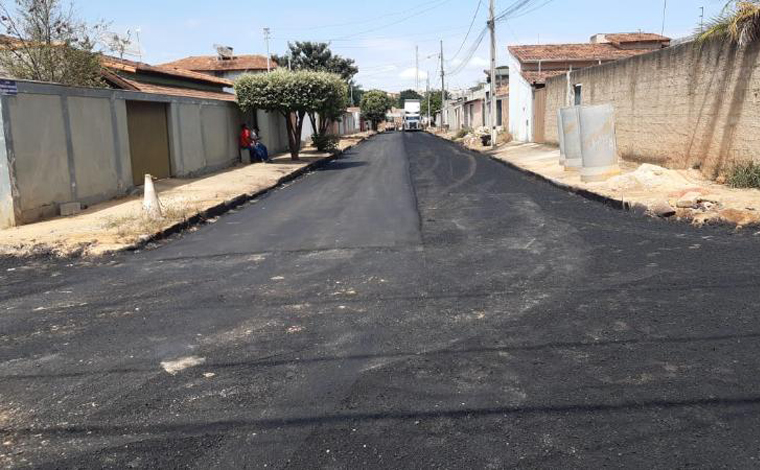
585,193
618,204
230,204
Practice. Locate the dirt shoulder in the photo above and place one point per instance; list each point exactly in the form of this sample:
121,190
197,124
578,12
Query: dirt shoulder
681,194
121,224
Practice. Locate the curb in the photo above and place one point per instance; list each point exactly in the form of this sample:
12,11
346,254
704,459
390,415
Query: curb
617,204
230,204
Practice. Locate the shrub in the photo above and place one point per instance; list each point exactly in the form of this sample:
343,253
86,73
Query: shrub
463,132
325,142
744,175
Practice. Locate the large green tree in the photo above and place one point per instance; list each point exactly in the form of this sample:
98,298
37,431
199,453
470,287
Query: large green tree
294,95
407,95
318,57
332,105
47,42
374,105
435,103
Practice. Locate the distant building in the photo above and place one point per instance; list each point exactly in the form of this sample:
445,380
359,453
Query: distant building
228,66
531,65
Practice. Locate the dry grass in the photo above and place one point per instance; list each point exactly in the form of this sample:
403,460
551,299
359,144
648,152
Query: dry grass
137,225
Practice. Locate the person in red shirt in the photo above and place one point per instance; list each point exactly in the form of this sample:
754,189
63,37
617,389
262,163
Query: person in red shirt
246,141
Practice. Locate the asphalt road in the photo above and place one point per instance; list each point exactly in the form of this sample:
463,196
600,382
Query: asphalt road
412,305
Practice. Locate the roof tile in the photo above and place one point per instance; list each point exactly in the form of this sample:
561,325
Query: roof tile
214,64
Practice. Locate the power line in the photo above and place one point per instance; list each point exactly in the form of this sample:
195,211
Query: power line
388,25
469,30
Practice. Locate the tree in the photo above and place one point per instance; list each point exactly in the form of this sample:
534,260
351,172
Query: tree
48,43
318,57
435,103
292,94
407,95
356,92
374,105
332,103
739,22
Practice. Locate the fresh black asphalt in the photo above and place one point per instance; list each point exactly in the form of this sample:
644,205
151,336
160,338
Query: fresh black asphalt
411,305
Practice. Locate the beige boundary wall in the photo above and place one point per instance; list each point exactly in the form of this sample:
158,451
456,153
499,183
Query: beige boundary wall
685,106
62,144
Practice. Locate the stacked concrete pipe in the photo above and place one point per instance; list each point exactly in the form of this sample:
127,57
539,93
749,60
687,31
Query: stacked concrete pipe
598,143
571,138
561,138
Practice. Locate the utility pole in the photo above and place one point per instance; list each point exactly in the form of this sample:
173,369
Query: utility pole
492,26
702,20
266,38
664,12
417,68
443,87
427,92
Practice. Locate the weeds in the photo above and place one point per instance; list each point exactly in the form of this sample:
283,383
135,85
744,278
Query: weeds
136,225
744,175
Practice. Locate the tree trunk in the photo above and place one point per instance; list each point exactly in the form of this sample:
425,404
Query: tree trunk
299,128
293,139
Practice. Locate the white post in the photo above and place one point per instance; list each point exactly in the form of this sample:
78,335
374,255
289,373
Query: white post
443,87
151,204
266,38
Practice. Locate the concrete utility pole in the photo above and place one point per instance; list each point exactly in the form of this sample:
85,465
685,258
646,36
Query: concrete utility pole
427,92
443,87
266,38
702,20
664,13
417,68
492,26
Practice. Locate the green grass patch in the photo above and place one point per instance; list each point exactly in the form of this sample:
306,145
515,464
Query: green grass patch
744,175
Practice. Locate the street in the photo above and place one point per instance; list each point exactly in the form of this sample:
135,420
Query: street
410,305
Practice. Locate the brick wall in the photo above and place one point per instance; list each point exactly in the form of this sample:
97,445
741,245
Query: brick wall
684,106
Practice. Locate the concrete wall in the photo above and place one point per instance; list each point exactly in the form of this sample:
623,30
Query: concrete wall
683,106
520,103
62,144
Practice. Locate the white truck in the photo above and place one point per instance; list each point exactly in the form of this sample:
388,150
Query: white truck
412,118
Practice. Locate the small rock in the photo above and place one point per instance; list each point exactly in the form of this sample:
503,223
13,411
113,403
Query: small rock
662,209
688,200
721,179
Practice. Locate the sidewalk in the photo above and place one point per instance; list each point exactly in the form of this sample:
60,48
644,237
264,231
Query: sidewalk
683,194
120,224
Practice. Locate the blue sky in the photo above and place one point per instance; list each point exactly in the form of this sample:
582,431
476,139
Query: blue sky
381,36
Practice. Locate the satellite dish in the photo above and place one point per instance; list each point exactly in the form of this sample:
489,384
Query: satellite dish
225,52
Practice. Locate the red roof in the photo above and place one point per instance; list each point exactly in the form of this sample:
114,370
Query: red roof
215,64
129,66
176,91
571,52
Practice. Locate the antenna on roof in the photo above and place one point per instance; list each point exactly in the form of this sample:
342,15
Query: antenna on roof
121,45
225,52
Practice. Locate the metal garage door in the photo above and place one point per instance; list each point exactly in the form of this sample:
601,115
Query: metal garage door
148,140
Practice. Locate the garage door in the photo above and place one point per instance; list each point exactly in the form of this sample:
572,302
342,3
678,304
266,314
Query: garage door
148,140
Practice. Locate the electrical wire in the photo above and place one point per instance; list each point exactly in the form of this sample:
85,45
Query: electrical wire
469,30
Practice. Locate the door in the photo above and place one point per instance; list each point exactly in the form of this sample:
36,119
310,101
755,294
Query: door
148,140
539,114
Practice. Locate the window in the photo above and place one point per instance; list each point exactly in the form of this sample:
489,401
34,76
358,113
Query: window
578,92
499,113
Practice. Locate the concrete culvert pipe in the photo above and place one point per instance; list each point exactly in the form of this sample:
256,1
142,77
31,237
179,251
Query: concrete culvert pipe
571,138
560,138
598,143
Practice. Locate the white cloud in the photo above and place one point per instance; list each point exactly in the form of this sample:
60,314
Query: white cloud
411,74
479,62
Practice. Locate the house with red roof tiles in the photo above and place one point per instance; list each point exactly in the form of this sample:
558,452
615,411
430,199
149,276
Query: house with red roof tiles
228,65
532,65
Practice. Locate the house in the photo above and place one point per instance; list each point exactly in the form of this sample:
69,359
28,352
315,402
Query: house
471,110
532,65
125,74
223,65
